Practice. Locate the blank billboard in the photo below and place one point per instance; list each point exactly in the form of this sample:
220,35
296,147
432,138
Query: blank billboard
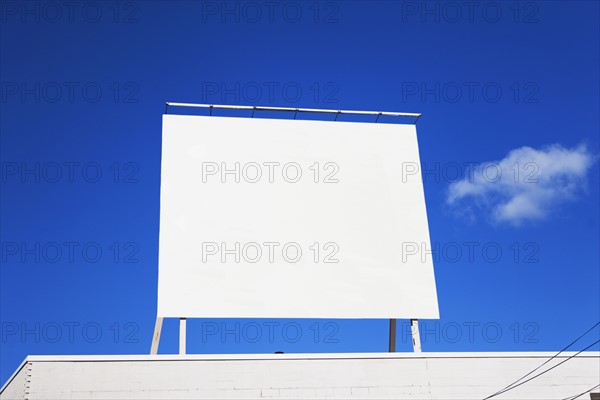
274,218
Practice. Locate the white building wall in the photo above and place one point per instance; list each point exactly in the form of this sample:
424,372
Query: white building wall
17,385
306,376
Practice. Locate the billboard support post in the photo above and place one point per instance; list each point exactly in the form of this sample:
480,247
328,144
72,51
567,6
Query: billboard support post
182,335
156,336
392,345
416,337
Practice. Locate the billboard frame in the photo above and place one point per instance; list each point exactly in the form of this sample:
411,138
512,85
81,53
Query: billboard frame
416,339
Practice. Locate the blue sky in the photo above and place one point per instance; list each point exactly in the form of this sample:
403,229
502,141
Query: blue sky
503,86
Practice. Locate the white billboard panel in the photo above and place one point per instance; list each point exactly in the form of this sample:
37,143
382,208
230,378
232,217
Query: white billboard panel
272,218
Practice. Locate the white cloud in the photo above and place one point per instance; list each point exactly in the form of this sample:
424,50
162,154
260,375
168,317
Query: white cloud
526,185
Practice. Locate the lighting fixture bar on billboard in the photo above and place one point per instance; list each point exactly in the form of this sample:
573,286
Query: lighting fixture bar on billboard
296,110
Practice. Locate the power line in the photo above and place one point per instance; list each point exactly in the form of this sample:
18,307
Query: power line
549,369
580,394
510,386
546,362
